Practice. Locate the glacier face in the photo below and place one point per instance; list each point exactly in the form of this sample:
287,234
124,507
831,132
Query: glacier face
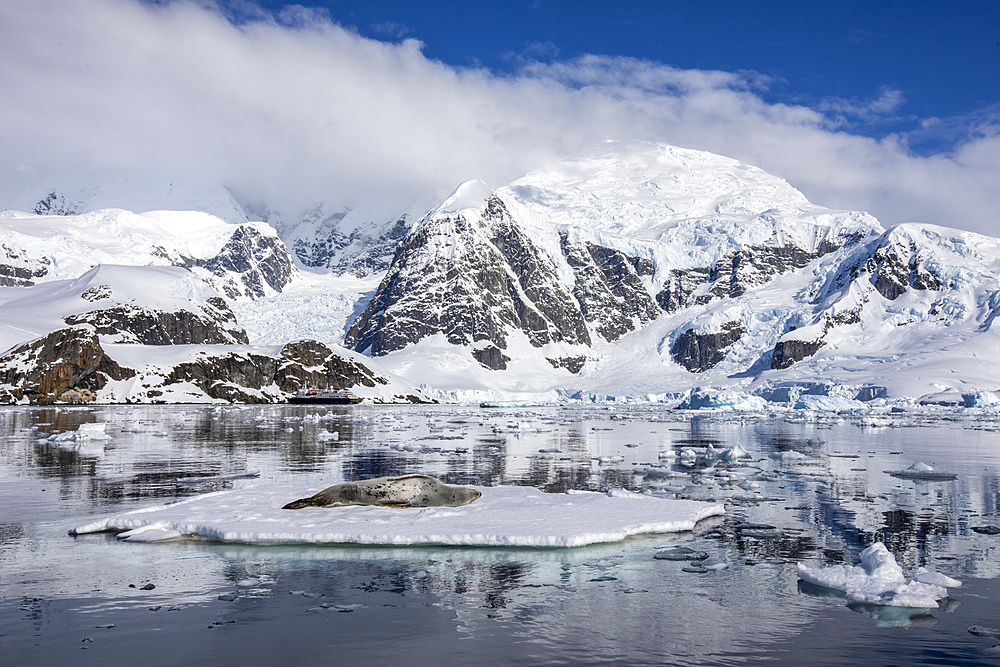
646,269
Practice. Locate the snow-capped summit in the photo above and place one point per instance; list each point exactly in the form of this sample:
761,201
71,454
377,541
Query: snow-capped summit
651,267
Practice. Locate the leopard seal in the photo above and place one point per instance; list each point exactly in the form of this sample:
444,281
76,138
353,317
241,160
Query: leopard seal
403,491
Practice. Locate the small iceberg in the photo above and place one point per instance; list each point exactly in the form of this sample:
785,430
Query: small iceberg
922,471
84,433
879,580
507,516
87,439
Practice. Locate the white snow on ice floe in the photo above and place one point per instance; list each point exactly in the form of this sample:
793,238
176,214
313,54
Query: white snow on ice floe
503,516
84,433
879,580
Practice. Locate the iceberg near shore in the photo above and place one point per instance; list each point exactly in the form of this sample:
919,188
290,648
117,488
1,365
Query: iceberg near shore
508,516
879,580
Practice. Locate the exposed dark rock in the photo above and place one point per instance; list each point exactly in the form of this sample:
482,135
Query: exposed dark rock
241,377
492,358
55,204
895,266
737,272
699,352
45,369
227,376
18,269
246,377
473,281
608,288
131,324
308,363
255,259
362,251
70,366
787,352
678,291
572,364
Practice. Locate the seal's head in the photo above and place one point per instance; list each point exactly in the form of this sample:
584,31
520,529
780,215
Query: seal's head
463,495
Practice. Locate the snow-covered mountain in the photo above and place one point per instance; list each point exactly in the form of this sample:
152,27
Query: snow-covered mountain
239,260
643,270
76,328
653,269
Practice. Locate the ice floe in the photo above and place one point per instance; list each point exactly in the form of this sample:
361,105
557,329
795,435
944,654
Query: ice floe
879,580
923,471
84,433
503,516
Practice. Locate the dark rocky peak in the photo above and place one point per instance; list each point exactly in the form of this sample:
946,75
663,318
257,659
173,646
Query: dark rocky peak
249,263
56,204
608,287
475,278
896,264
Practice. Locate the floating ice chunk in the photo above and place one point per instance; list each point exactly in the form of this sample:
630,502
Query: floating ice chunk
503,516
879,580
790,456
936,579
84,433
714,564
323,434
922,471
680,553
735,453
688,457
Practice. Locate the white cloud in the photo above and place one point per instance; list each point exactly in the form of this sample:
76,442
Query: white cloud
296,109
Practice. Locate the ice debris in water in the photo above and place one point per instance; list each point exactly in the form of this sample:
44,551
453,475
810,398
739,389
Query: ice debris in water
879,580
922,471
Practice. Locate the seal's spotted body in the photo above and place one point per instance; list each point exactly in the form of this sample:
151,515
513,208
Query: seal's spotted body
404,491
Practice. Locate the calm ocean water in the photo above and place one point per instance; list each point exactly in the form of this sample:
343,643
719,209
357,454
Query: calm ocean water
816,491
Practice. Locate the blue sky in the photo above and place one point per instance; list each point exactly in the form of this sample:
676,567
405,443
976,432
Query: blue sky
883,67
892,108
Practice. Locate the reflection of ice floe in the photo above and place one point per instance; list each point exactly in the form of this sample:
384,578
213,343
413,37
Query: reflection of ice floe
504,516
879,580
922,471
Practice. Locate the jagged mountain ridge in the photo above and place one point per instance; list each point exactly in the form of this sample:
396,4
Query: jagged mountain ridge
245,260
160,329
612,262
644,269
710,270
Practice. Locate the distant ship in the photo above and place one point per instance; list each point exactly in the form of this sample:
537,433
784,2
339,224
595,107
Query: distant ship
328,396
